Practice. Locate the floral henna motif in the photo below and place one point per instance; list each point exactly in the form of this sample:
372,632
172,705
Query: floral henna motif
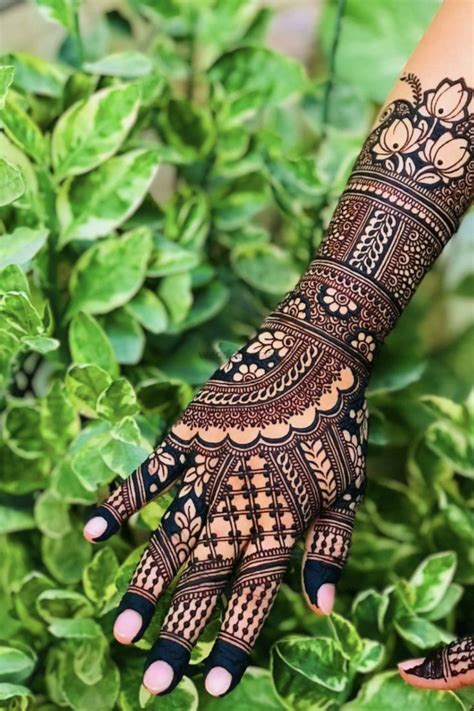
429,144
274,443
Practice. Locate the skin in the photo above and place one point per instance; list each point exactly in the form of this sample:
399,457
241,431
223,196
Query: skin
441,53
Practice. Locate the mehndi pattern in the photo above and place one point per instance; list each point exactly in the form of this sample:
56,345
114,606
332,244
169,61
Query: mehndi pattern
274,443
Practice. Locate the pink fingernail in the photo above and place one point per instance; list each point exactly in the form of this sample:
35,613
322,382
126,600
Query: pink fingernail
326,596
218,681
158,677
127,625
95,528
410,663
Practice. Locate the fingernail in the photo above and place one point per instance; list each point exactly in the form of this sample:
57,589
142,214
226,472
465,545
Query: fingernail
218,681
325,598
127,625
95,528
409,664
158,677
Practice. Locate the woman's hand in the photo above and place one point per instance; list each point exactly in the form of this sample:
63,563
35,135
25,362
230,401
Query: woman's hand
273,445
449,667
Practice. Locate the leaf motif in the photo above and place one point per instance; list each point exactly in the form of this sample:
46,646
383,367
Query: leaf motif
320,465
429,178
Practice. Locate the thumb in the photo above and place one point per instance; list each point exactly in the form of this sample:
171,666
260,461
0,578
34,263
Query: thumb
326,550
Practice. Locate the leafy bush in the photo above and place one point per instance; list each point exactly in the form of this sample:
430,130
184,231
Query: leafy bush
122,287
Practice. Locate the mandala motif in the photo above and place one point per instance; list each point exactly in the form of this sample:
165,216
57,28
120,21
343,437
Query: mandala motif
274,443
336,303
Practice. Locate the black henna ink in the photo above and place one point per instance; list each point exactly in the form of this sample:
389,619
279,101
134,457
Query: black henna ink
276,438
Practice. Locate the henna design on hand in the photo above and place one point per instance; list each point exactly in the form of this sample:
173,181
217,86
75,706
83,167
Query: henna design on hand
274,443
448,667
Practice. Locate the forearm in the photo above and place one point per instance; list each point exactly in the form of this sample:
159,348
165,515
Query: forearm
409,188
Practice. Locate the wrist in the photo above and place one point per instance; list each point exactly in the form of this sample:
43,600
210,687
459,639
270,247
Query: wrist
342,306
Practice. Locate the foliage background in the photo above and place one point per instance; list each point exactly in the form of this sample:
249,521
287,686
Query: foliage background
116,303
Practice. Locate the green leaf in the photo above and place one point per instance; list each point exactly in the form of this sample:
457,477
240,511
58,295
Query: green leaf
81,696
125,450
444,407
451,598
21,430
12,278
389,692
66,483
347,636
91,131
265,267
460,520
187,218
306,672
183,698
56,604
382,31
16,663
236,209
370,657
149,311
368,612
128,64
98,578
110,273
6,78
431,580
84,384
90,659
23,131
126,336
89,344
420,632
295,183
86,459
62,11
75,629
207,303
117,401
15,691
40,344
25,596
21,245
319,660
21,315
95,204
15,519
254,692
396,372
36,76
348,110
59,422
66,557
12,185
188,128
170,258
176,294
253,77
453,444
52,515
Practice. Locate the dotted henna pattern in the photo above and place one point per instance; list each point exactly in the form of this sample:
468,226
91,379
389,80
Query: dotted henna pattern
274,443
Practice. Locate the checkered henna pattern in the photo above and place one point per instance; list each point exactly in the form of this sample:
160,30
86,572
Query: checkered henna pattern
274,443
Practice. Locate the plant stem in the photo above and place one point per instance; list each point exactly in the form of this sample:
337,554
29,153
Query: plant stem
341,5
78,38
